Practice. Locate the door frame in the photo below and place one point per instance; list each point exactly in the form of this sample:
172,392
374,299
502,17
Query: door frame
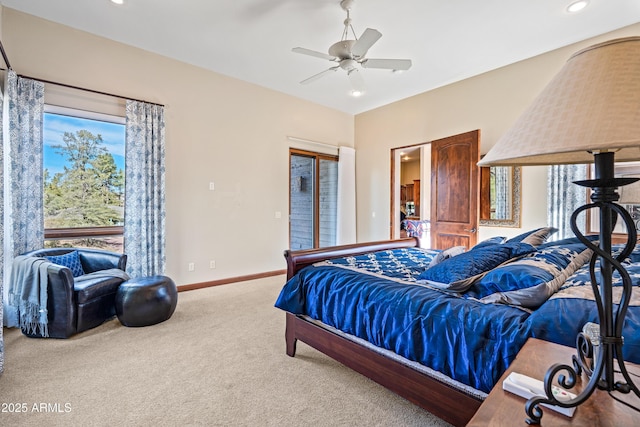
394,210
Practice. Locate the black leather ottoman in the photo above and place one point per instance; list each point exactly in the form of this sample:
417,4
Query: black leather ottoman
146,301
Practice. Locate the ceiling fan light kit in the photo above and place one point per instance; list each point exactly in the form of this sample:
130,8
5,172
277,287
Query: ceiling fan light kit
350,54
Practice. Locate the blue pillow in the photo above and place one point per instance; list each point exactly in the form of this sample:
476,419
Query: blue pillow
529,281
459,272
71,260
497,240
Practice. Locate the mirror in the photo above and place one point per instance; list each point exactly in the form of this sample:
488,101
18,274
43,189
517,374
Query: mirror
500,196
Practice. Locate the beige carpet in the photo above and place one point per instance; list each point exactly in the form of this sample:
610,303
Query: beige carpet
219,361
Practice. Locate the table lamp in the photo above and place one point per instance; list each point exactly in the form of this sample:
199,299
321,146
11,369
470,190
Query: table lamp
588,113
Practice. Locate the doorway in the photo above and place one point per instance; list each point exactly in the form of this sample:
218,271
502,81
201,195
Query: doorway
410,190
450,178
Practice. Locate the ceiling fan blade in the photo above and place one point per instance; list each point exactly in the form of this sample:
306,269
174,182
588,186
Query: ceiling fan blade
388,64
310,52
366,40
357,82
317,76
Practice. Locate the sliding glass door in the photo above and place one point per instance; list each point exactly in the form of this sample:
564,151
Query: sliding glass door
313,195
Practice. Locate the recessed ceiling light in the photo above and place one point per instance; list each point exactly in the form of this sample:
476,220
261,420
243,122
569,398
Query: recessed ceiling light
577,6
117,1
356,93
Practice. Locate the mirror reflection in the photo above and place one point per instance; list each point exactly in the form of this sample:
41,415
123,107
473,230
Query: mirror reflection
500,196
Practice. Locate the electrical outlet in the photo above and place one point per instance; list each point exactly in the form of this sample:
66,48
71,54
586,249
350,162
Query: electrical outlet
192,266
212,264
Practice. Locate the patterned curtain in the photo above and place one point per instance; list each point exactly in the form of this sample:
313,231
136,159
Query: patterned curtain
502,176
2,127
23,199
144,214
564,197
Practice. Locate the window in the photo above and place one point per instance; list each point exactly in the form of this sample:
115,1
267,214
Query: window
313,199
83,178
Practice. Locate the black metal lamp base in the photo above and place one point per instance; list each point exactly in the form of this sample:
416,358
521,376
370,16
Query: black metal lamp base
611,321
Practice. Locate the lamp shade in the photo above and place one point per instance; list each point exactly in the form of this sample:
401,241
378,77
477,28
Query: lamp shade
591,105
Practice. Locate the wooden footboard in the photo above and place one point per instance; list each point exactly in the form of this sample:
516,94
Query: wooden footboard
442,400
297,260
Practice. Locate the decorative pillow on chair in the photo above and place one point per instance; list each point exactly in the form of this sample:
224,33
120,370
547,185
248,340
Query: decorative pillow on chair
531,280
534,237
71,260
459,272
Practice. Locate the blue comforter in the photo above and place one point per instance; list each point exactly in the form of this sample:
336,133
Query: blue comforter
564,314
379,298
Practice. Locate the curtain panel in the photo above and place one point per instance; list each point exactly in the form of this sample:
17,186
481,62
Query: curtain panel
503,192
3,108
564,197
144,215
22,192
346,209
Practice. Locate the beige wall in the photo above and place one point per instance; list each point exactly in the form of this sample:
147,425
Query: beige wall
409,172
234,133
490,102
217,129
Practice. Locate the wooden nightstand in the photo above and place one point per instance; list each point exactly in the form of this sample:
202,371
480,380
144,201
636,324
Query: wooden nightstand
502,408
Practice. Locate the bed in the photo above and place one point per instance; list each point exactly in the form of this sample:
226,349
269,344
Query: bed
441,344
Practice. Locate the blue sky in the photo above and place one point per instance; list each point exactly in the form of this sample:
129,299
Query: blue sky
55,125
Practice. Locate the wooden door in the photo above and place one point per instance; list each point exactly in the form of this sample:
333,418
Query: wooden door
454,190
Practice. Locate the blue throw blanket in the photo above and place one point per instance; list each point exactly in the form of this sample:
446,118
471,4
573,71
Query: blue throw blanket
111,272
28,293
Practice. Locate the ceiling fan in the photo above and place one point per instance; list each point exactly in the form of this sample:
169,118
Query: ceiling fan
348,53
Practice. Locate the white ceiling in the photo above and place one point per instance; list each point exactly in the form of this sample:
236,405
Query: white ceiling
447,40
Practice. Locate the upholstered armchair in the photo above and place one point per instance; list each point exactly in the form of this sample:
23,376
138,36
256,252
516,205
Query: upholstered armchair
78,300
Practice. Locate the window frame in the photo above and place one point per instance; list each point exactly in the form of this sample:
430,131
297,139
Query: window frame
83,232
317,157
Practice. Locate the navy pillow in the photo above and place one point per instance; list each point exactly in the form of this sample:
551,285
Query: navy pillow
529,281
490,241
71,260
459,272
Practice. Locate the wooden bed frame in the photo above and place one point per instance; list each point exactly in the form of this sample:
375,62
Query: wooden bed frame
442,400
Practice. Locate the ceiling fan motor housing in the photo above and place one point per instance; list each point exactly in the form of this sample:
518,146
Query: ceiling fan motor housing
342,49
